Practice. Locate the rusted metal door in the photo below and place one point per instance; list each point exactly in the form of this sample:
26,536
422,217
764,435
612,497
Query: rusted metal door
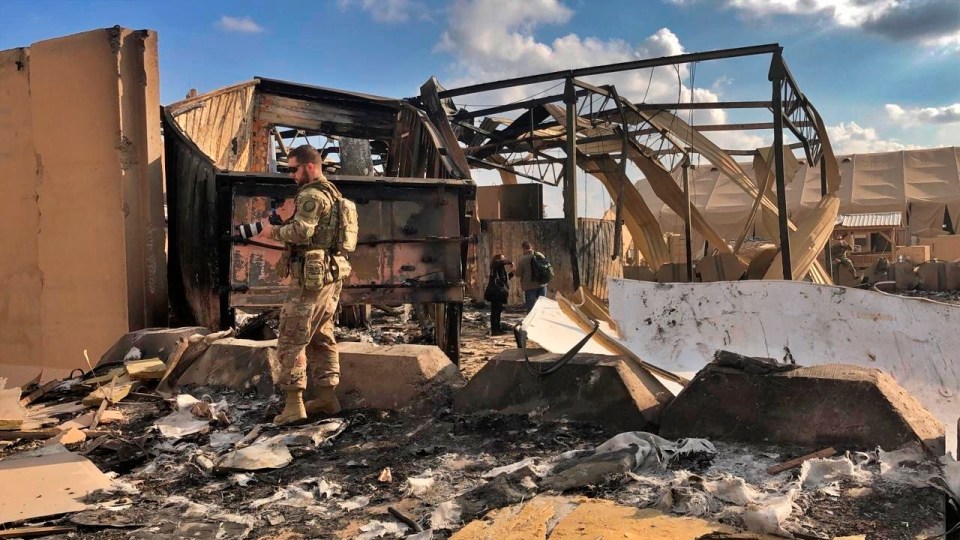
410,247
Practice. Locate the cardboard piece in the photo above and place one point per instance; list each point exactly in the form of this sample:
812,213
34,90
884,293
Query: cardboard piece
113,392
145,370
67,437
46,485
12,414
106,377
86,420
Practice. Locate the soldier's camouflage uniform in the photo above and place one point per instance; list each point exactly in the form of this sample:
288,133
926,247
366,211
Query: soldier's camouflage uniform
306,345
838,252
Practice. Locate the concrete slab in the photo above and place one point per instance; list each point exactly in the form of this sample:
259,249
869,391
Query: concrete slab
818,406
239,364
933,275
152,342
607,390
417,377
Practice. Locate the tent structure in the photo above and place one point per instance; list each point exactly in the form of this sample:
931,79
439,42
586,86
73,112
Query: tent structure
921,183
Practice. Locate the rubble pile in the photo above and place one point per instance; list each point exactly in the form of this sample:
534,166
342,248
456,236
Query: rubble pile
113,453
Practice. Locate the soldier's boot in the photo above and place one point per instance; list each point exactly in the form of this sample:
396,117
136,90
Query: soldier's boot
326,402
293,411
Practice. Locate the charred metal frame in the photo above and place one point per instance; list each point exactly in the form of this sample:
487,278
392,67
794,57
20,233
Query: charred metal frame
788,105
415,222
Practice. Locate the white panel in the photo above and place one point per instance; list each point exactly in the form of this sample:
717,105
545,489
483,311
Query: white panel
679,327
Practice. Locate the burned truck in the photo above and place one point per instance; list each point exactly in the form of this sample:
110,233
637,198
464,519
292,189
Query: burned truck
225,158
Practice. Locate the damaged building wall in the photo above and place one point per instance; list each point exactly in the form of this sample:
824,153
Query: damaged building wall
220,123
413,259
550,237
81,156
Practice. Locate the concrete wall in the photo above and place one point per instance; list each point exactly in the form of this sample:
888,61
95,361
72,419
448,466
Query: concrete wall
81,254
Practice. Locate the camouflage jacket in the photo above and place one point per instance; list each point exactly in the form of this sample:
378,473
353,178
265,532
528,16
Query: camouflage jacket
312,225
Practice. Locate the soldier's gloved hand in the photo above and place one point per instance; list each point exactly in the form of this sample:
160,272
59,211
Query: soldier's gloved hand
249,230
275,219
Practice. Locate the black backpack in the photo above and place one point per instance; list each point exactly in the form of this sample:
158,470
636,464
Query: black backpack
542,270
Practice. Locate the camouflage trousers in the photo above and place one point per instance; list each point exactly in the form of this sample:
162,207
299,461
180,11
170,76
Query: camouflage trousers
306,346
845,262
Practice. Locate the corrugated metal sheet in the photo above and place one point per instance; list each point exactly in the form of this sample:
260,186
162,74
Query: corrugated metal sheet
879,219
550,236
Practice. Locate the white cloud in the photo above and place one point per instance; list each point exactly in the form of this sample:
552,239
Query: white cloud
493,40
388,11
851,138
843,12
244,25
947,135
933,23
924,115
496,39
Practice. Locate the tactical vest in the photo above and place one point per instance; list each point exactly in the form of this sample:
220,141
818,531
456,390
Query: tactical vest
339,233
326,230
325,261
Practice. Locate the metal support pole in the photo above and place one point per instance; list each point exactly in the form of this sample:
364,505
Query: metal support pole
828,259
570,178
776,77
618,219
686,218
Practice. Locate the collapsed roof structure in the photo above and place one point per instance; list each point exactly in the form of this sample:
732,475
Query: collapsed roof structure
611,132
248,128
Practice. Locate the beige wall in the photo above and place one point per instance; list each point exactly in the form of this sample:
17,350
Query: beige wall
81,256
20,281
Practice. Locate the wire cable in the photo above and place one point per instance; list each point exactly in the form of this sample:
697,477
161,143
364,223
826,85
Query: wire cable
520,334
512,102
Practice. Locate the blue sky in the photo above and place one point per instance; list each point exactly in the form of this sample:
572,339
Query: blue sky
851,66
885,74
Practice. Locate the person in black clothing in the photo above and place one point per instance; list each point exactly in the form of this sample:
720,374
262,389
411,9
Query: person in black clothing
498,287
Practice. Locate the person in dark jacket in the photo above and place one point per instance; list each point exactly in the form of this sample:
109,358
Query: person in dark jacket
498,287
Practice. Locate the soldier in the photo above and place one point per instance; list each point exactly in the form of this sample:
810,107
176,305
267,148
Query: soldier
314,239
532,287
839,251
